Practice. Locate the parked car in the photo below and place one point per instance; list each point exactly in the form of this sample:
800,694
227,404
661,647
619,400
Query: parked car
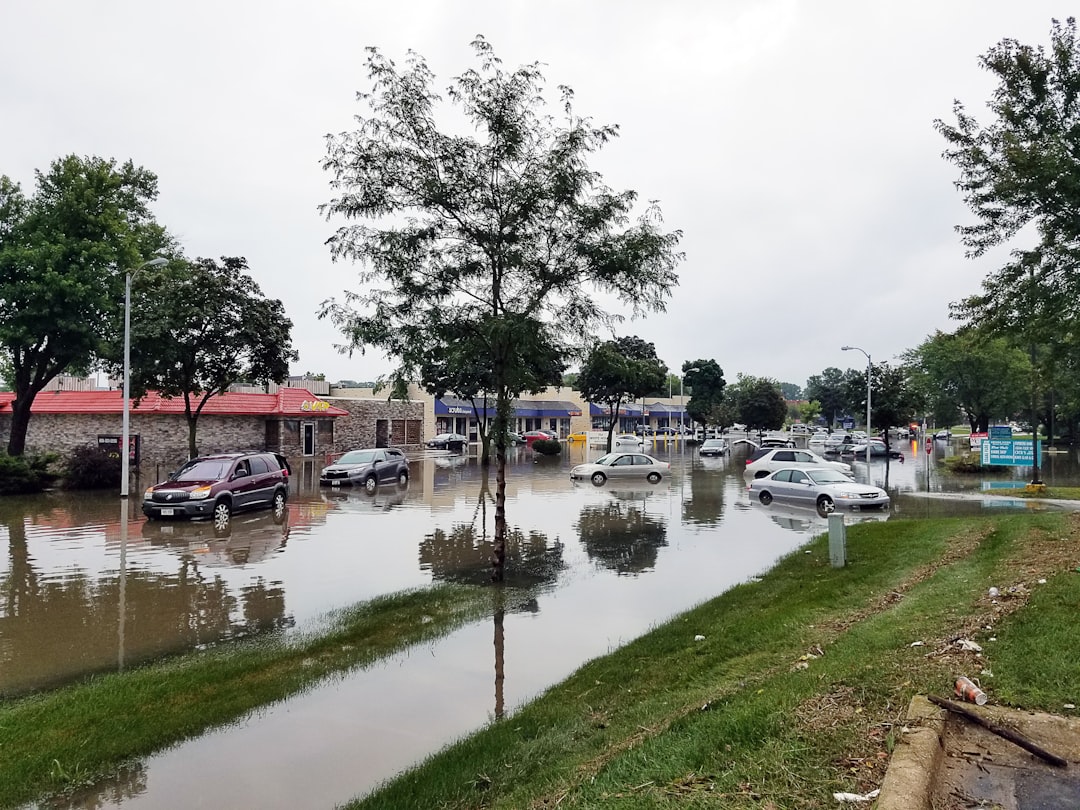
714,447
626,440
219,485
367,468
776,441
531,436
766,460
449,441
825,489
835,442
877,450
945,434
622,466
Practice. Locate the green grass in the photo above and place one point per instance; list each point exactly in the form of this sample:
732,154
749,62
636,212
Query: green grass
753,714
60,740
1058,493
798,689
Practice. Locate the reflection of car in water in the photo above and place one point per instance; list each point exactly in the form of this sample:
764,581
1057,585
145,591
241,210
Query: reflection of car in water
806,519
385,499
243,540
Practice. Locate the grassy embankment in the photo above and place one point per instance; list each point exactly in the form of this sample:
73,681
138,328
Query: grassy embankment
800,684
70,737
797,688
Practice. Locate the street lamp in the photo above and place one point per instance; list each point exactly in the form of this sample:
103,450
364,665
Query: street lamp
682,403
126,431
856,348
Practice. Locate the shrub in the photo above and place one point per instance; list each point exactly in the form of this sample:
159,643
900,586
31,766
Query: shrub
92,468
547,447
972,463
24,474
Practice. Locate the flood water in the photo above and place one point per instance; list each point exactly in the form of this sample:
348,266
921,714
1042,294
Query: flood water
86,587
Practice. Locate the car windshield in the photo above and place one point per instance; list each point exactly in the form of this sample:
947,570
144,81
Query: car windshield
357,457
829,477
713,443
208,470
606,461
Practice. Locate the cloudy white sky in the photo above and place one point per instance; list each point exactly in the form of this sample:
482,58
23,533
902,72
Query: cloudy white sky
791,142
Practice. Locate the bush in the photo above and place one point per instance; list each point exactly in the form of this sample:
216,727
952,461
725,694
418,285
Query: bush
20,475
92,468
547,447
972,463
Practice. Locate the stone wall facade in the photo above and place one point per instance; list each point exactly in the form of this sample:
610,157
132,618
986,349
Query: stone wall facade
378,423
164,437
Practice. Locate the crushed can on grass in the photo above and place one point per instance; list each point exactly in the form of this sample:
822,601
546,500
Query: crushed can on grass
966,689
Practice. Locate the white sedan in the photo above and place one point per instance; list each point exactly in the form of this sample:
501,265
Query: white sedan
622,466
825,489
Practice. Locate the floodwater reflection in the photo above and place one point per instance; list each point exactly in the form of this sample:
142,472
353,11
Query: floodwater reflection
590,568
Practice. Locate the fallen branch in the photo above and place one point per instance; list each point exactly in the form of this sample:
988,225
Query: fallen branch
1001,731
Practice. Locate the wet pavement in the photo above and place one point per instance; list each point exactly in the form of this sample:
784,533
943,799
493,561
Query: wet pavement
86,587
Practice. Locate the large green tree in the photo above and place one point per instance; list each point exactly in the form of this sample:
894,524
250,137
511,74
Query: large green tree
64,253
829,389
758,402
706,381
198,327
1020,176
483,225
619,371
982,376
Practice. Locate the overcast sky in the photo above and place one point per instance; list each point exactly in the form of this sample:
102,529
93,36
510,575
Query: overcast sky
791,142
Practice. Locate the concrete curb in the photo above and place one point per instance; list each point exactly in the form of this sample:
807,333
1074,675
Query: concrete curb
915,760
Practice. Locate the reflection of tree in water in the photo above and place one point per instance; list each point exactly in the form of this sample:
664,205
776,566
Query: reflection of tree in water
463,555
56,630
704,503
621,535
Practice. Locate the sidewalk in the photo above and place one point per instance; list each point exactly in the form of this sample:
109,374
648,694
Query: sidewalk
946,762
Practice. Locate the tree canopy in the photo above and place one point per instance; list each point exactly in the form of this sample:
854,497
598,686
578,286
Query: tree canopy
706,381
619,371
829,390
469,231
758,402
198,327
64,253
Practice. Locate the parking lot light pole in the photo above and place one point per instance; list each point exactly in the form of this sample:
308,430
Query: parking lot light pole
126,430
868,367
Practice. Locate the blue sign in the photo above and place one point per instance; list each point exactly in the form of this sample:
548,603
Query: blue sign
1008,452
1000,432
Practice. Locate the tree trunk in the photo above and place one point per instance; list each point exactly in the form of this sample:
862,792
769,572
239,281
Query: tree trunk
192,422
20,423
498,549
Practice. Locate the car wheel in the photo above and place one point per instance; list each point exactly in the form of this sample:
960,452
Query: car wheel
278,503
825,505
654,477
765,497
403,478
371,483
598,478
222,515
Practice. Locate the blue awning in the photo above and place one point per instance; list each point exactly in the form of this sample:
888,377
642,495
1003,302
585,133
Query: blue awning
524,408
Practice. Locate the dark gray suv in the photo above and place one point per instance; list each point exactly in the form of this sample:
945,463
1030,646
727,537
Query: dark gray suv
367,468
216,486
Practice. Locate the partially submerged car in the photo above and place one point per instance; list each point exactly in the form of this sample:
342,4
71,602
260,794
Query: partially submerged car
218,485
367,468
622,466
823,488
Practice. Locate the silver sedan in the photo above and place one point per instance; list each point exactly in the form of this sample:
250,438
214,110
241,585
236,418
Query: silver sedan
825,489
622,466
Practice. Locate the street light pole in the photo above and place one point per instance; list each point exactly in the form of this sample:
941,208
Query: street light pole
125,471
868,367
